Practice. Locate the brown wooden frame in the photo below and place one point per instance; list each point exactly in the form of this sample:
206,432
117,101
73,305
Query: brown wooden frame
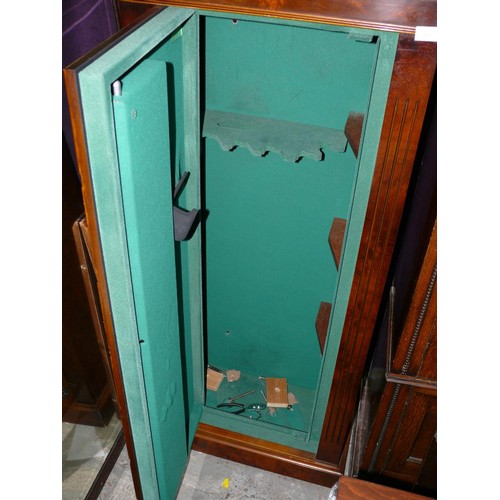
413,75
386,15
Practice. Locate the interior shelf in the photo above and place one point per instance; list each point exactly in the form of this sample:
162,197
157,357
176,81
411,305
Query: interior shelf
352,130
322,320
336,238
260,135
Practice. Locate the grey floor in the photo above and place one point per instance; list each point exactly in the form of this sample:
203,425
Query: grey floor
84,450
209,477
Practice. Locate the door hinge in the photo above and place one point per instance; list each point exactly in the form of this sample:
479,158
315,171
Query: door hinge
116,88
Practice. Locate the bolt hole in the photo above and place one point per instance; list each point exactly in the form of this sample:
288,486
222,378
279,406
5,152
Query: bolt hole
235,21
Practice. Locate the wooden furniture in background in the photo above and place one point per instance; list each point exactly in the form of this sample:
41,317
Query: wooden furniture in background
87,397
80,233
402,442
396,431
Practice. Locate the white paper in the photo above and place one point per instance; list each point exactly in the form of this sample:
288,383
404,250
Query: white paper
426,34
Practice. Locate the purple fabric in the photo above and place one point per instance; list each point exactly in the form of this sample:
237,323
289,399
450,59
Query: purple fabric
85,24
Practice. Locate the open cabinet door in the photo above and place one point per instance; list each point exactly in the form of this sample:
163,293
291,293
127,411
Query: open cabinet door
133,153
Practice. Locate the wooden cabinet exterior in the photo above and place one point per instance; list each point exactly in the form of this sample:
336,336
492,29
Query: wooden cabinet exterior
412,78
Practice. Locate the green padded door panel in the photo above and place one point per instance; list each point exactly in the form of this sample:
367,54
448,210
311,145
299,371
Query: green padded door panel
141,115
128,149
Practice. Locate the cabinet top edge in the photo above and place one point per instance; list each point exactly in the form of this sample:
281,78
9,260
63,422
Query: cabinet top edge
401,16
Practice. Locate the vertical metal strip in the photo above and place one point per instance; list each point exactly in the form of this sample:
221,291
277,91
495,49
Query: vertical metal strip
404,370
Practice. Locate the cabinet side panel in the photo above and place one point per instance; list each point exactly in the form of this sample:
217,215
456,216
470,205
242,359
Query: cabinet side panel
413,75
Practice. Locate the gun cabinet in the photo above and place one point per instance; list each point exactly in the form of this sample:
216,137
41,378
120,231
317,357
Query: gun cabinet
229,162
